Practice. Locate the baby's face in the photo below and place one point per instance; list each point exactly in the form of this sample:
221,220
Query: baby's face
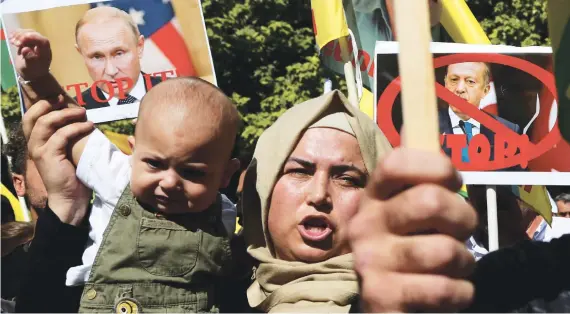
177,170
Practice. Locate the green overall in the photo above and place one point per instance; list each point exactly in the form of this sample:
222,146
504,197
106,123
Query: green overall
147,263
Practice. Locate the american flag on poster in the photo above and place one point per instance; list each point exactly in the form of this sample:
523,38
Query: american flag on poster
164,43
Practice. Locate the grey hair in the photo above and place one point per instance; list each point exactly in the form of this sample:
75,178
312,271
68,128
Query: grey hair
564,198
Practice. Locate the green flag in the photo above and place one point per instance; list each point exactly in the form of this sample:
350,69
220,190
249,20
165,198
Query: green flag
559,27
8,78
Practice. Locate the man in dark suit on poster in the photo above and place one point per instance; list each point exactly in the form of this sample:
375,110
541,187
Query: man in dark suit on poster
111,46
470,81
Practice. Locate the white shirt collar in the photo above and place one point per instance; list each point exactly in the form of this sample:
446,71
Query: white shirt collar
476,249
455,120
138,91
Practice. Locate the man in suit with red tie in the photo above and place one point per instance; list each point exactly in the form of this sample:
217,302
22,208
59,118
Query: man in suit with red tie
470,81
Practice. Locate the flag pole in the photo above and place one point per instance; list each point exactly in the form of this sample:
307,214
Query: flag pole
348,71
415,63
492,221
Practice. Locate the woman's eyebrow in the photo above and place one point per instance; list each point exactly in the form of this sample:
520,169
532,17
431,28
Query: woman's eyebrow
302,162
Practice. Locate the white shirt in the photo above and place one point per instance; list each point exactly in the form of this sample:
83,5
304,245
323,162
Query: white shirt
543,233
476,129
107,171
138,91
475,248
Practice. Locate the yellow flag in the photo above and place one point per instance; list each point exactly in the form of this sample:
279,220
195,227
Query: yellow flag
329,21
366,104
19,214
120,140
536,196
461,24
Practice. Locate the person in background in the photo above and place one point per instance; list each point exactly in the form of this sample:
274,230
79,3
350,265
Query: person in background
17,234
10,203
25,177
514,219
563,204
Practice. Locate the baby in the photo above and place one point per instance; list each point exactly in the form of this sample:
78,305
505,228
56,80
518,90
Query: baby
160,230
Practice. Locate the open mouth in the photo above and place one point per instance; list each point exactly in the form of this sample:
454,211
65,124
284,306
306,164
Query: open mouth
315,228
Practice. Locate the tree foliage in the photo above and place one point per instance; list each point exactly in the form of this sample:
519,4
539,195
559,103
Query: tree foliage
265,58
513,22
11,106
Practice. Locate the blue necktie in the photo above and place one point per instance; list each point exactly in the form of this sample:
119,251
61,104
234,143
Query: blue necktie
468,129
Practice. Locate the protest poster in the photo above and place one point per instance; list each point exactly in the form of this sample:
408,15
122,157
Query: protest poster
101,65
515,140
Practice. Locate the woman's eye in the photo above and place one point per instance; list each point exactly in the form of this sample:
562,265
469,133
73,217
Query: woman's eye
350,181
297,172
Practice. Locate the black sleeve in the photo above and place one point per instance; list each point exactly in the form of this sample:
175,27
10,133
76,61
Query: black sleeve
511,278
55,248
232,289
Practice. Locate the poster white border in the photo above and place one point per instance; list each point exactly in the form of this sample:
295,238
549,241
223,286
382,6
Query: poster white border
483,177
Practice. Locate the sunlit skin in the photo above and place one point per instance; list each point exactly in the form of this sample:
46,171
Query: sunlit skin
467,80
111,51
323,178
174,172
31,187
563,209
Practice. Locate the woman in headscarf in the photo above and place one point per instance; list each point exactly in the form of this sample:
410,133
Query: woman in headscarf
305,181
301,190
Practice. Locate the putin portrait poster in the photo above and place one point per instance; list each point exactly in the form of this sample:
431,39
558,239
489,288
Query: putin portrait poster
107,55
497,111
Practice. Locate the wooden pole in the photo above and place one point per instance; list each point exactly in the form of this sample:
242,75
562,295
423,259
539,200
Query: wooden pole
415,61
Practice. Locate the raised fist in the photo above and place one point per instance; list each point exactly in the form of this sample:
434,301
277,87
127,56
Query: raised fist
34,53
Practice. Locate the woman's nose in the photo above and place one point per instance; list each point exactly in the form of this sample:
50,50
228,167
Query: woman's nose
318,192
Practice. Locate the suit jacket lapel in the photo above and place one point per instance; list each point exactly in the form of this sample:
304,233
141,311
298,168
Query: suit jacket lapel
490,135
445,128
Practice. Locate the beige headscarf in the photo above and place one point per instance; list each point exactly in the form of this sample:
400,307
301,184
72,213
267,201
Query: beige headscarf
283,286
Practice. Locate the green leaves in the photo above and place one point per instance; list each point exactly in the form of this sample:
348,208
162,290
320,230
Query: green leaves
265,58
513,22
11,106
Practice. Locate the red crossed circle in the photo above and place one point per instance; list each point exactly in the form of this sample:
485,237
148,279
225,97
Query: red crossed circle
388,97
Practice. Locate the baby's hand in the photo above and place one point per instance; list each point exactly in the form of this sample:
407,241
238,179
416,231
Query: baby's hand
34,53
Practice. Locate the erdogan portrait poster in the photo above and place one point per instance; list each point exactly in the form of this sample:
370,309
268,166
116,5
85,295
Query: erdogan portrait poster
497,111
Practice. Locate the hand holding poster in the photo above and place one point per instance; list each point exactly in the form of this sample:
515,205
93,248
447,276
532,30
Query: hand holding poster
522,141
108,57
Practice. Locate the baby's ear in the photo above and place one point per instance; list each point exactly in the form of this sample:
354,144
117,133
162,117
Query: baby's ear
231,167
131,140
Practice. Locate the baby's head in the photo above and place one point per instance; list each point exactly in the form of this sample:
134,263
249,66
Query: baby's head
182,146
